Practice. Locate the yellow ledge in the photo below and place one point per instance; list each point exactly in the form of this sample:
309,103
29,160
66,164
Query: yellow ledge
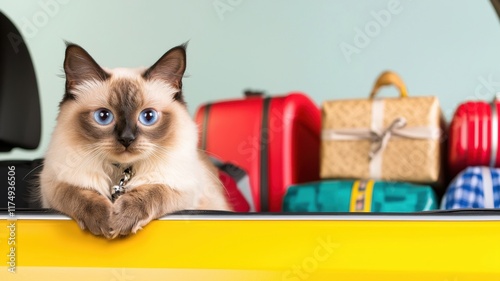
445,248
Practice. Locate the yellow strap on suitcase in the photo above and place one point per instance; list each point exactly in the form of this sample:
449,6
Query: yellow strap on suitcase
361,196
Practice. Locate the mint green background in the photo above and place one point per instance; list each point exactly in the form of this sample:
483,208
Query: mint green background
445,48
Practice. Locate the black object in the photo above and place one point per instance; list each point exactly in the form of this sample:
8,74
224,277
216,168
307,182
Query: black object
251,93
20,117
21,177
264,157
496,6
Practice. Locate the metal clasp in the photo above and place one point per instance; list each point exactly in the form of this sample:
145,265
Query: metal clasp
118,190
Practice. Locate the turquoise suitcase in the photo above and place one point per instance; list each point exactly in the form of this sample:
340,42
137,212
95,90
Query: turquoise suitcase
359,196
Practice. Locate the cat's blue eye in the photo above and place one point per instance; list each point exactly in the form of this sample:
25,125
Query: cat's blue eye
103,116
148,117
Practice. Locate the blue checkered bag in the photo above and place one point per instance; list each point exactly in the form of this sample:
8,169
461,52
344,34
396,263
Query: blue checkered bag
474,187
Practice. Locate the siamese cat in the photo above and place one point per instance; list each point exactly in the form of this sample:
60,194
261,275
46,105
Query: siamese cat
126,131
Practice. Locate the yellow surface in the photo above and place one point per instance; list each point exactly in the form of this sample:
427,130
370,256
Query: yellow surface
258,250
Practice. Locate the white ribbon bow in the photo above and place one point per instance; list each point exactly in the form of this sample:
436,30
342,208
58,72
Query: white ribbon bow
380,139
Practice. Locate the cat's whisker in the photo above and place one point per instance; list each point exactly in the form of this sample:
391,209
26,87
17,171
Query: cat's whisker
216,178
34,169
167,152
90,156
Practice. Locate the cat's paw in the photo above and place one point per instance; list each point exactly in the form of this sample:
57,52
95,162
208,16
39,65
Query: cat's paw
95,217
129,215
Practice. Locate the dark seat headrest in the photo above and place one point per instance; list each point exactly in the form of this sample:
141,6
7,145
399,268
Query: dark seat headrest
20,118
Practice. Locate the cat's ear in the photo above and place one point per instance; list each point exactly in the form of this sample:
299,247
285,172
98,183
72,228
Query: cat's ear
79,67
170,67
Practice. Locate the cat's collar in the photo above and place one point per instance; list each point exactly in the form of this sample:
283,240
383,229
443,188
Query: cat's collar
119,189
118,165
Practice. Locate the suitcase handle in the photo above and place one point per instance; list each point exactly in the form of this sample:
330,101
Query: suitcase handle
253,94
389,78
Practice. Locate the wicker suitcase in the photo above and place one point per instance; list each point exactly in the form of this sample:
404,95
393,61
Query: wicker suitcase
392,139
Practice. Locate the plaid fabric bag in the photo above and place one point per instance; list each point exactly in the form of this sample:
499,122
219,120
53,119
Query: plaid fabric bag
474,187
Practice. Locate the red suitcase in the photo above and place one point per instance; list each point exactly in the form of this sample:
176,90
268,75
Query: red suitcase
474,136
274,139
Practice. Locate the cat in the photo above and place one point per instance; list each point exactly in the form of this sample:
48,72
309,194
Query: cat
113,119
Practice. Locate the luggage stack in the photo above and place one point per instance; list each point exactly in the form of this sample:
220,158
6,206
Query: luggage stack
377,155
355,155
473,157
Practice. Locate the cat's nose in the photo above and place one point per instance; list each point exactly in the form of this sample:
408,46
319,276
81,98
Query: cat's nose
126,138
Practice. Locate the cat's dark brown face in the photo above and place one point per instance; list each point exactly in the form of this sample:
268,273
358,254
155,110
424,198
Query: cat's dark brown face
123,115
